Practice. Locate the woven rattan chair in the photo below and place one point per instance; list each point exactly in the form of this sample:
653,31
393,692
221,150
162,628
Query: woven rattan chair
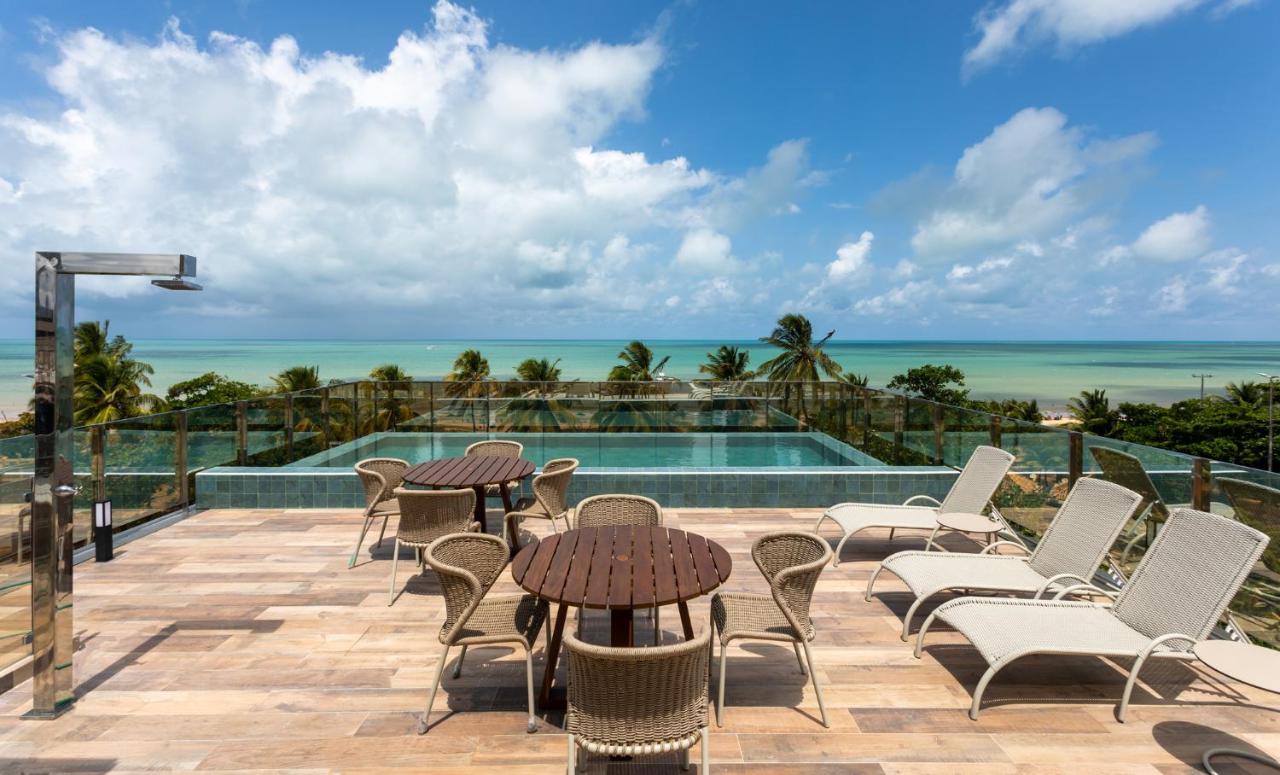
496,448
380,477
468,564
1127,471
550,493
637,701
614,511
970,494
791,562
1175,597
426,515
1069,553
1257,506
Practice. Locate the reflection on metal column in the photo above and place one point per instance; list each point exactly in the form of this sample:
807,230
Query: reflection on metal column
53,485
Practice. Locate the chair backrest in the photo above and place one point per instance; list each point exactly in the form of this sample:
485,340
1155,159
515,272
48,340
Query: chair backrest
1257,506
467,565
425,515
1189,575
637,696
792,562
613,510
380,477
551,487
978,481
1127,471
1084,528
495,448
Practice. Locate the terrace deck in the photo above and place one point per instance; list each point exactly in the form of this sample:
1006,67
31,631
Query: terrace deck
239,640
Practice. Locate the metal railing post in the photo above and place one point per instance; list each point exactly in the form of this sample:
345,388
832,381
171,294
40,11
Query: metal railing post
899,426
939,433
288,426
996,431
180,458
431,405
325,420
98,469
1201,483
242,433
1075,455
866,418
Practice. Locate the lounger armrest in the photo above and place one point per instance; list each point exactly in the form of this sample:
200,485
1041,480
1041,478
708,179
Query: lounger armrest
989,547
1076,589
933,501
1052,580
1160,641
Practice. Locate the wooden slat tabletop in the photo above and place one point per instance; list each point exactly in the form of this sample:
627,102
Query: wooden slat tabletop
622,567
471,471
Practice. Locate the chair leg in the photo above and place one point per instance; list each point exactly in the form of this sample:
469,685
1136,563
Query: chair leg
980,688
891,531
911,614
657,630
924,628
871,582
928,544
799,658
354,553
684,759
457,669
424,723
817,690
724,654
706,750
835,559
391,587
573,755
383,531
528,674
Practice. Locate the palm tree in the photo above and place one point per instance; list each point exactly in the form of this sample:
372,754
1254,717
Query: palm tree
108,386
469,375
389,372
637,364
1093,411
728,364
390,382
853,379
539,370
1245,394
801,357
296,378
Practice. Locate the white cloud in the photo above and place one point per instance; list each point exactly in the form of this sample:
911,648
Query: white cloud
456,165
1173,297
850,269
1022,182
705,251
851,259
1011,26
1225,270
904,269
1176,237
896,301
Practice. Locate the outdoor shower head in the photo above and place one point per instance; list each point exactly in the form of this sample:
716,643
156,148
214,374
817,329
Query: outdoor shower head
177,284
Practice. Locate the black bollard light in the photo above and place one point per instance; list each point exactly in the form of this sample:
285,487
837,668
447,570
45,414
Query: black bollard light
103,541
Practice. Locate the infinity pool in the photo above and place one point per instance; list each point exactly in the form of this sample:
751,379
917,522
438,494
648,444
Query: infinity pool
615,450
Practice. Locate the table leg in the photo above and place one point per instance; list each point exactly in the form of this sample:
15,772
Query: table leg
621,627
480,512
506,497
552,656
684,620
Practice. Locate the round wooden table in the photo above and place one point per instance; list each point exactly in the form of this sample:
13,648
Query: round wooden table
619,569
1254,665
476,472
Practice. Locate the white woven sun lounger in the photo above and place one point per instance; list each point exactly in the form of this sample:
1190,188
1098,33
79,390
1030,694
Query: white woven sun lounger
1070,552
970,494
1175,597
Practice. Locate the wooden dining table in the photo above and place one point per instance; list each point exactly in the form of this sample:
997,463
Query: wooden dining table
474,471
618,569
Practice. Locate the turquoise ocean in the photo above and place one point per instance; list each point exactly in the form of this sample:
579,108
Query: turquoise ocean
1049,372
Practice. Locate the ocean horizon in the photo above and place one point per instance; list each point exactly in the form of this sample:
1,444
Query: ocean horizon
1048,371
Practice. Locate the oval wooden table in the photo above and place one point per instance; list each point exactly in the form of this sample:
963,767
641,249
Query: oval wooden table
619,569
476,472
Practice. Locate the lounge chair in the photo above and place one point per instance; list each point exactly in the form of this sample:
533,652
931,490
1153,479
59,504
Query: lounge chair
791,562
1070,552
468,564
1175,597
636,701
1127,471
970,494
426,515
380,477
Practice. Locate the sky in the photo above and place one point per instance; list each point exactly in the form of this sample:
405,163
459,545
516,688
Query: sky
1016,169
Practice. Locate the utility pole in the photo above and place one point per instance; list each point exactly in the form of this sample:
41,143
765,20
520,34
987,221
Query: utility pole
1202,378
1271,417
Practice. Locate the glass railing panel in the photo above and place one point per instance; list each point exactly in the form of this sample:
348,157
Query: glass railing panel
212,440
1252,496
1038,482
268,438
878,437
964,430
16,466
342,414
141,457
922,433
310,424
459,407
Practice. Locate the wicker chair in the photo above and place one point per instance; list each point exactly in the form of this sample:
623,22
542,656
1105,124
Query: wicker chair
1175,597
426,515
380,477
1070,552
496,448
613,511
971,494
468,564
550,492
791,562
637,701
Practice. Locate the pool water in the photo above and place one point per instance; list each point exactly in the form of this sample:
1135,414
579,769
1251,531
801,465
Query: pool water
614,450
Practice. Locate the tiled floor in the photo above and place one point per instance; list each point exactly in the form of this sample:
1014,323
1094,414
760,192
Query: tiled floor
239,640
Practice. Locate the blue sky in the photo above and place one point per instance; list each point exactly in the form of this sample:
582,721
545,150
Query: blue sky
1005,170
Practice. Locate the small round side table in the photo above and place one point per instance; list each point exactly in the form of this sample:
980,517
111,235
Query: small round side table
1253,665
965,523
